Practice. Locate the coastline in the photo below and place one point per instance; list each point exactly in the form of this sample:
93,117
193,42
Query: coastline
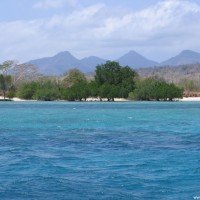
189,99
104,99
14,99
184,99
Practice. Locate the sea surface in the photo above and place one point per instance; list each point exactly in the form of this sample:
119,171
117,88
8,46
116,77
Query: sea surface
106,151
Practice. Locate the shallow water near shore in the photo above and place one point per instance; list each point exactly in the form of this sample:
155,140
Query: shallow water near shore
129,150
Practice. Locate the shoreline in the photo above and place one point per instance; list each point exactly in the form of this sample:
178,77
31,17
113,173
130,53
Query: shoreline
184,99
189,99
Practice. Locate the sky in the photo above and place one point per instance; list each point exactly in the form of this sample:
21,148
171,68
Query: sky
157,29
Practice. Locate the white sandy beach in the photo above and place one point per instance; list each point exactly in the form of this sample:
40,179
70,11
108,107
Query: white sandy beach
18,99
15,99
189,99
105,99
184,99
88,99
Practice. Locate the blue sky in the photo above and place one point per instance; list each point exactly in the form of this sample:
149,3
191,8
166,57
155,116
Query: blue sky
158,29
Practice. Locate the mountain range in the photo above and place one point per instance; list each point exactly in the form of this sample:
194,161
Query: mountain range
63,61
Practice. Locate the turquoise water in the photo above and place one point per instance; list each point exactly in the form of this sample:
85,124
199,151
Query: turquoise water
133,150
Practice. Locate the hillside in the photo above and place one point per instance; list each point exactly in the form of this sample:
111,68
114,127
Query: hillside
173,74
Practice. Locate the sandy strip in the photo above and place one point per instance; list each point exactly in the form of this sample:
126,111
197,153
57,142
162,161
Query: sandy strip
88,99
18,99
2,98
15,99
189,99
105,99
184,99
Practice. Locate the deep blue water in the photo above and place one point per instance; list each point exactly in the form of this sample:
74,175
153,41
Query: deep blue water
59,150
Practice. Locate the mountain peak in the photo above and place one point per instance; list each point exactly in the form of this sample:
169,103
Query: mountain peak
134,59
188,52
185,57
133,52
63,53
91,57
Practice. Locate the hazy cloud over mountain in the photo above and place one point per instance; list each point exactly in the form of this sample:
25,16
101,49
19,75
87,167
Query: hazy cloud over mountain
157,29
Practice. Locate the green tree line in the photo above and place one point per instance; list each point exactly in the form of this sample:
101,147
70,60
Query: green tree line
156,89
111,81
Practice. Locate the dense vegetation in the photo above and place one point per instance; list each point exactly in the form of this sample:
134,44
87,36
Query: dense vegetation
5,84
114,80
185,76
156,89
111,81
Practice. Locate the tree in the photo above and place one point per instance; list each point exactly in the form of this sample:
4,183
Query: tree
78,91
112,74
5,84
143,89
6,66
156,89
108,91
11,92
93,88
73,76
24,73
27,90
127,81
174,92
108,73
46,91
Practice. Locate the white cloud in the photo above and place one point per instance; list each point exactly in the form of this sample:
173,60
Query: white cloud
143,24
81,18
168,27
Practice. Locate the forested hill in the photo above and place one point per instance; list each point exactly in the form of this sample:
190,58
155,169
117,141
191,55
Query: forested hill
175,74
